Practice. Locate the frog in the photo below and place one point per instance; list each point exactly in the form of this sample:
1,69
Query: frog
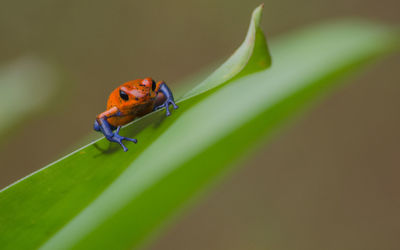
129,101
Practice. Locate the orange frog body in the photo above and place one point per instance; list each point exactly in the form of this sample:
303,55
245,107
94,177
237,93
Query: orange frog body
129,101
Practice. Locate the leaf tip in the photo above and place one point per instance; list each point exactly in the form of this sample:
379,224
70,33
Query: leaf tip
257,14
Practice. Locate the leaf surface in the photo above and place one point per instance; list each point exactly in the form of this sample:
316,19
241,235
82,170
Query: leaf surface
101,197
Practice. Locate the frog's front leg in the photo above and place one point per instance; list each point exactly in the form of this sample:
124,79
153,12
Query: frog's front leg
101,124
163,88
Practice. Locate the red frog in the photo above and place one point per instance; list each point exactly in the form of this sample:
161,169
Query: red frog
130,100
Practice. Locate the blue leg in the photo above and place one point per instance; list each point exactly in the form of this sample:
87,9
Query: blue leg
169,101
96,126
106,129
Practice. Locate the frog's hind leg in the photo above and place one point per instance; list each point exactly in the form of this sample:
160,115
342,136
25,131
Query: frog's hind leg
96,126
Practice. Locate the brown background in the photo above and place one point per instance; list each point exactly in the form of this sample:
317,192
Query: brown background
329,181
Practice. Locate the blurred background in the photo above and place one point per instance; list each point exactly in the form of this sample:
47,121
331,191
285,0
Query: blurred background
330,181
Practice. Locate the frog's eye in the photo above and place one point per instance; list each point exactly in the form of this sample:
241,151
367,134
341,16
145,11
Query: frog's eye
123,95
153,85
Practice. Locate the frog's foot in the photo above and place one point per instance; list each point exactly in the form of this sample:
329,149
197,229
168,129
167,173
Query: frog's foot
166,104
118,139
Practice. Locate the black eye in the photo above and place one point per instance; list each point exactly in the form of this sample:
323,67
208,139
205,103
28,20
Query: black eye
123,95
153,85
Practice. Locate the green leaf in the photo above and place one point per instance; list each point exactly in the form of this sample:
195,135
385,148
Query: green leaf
100,197
250,57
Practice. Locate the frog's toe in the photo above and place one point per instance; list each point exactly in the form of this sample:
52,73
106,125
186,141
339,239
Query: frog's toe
174,105
118,129
129,139
121,138
158,107
167,112
123,146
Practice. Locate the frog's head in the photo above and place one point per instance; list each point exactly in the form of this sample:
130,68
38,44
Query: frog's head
134,93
